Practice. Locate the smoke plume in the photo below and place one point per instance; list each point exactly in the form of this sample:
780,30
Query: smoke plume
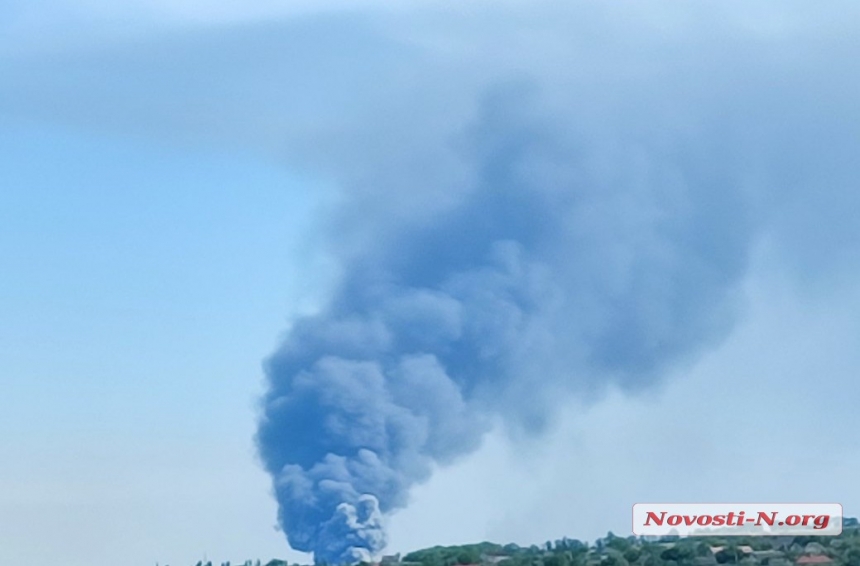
563,265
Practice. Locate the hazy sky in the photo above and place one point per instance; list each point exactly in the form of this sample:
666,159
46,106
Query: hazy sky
174,177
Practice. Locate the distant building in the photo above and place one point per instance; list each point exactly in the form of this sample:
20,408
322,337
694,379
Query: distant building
390,559
743,549
813,560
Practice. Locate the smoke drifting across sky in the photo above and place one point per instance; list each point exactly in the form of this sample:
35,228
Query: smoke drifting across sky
545,275
580,238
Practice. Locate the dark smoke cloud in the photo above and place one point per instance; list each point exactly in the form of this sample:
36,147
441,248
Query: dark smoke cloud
549,273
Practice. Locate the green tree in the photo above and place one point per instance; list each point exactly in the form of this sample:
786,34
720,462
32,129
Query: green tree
468,557
652,560
728,555
678,553
618,543
558,559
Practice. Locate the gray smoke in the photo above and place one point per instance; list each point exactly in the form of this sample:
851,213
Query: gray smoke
565,264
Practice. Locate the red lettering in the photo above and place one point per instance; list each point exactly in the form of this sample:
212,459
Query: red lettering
792,520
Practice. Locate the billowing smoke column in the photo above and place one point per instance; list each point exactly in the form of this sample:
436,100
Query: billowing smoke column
552,272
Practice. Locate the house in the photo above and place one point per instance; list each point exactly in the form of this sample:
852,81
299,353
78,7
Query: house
814,560
743,549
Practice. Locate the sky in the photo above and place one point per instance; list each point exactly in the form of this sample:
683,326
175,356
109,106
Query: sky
181,183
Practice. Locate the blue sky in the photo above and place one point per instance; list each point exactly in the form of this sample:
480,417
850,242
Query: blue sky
181,181
125,263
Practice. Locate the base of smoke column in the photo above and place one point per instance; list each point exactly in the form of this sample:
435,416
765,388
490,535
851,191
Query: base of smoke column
354,534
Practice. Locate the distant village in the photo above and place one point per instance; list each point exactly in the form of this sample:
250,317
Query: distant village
612,550
842,550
